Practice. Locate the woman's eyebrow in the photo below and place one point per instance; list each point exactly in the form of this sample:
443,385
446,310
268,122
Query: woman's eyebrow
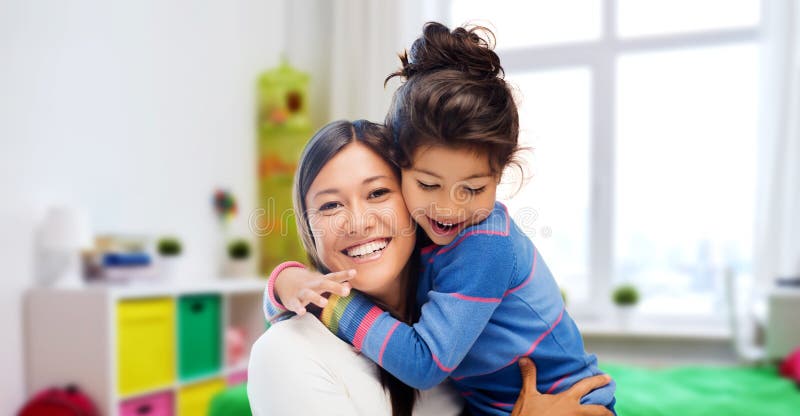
373,179
335,191
326,191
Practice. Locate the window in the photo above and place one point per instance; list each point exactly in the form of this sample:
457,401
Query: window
553,206
642,119
526,23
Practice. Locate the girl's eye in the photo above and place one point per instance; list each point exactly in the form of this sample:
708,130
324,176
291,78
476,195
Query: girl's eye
474,191
427,187
378,193
329,206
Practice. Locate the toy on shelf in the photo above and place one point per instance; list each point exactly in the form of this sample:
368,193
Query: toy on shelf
224,205
235,345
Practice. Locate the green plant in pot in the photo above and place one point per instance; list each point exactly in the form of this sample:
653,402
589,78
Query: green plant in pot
169,247
239,251
169,250
625,296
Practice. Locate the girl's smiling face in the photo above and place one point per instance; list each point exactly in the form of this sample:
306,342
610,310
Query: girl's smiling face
448,189
359,221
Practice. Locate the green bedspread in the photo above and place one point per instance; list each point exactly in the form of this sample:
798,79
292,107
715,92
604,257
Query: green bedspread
689,391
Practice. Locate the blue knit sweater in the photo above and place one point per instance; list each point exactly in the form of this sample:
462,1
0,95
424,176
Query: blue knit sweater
487,299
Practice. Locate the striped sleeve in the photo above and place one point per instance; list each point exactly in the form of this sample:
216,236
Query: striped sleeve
273,308
468,290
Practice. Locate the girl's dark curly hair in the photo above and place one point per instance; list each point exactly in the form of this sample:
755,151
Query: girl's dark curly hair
454,95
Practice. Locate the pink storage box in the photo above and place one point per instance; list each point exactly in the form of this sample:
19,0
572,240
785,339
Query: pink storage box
238,377
159,404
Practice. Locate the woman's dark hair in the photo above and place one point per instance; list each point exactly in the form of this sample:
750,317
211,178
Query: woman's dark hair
326,143
454,95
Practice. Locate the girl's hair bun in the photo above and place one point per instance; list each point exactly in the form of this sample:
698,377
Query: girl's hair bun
465,49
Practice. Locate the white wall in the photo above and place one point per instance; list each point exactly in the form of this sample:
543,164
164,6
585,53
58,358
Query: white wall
134,110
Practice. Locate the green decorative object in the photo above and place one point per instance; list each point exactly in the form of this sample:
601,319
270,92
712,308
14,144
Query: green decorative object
625,295
284,127
169,247
232,401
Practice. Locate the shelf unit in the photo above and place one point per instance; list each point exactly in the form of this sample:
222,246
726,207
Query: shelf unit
142,350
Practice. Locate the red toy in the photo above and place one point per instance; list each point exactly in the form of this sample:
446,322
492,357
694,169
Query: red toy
790,367
69,401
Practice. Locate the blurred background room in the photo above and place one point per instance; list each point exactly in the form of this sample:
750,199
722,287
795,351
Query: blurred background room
147,150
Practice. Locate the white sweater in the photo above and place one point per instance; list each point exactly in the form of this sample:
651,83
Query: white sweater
298,367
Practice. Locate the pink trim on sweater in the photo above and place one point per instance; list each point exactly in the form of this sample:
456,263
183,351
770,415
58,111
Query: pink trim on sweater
428,249
475,298
541,337
553,387
386,342
527,353
441,366
365,325
274,276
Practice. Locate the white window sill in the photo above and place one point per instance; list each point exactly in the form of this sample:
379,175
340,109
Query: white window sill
653,329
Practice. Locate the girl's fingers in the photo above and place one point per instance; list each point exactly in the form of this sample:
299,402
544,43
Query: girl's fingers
330,286
586,385
341,276
294,305
310,296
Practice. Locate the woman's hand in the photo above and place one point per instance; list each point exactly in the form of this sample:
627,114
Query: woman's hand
533,403
296,287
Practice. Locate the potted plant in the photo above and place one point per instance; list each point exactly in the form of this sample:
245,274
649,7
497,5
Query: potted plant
625,296
239,251
169,251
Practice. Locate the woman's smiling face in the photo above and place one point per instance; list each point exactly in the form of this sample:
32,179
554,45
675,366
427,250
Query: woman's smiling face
359,220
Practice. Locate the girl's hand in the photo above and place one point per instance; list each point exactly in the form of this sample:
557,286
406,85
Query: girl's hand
533,403
296,287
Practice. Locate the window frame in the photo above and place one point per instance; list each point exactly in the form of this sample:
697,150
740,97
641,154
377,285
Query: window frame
600,57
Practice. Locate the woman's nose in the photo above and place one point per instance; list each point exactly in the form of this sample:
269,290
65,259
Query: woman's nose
361,220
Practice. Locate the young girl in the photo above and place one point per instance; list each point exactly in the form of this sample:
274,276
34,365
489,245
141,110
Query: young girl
487,296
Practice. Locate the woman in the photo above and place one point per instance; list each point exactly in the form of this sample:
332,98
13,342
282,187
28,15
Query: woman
351,215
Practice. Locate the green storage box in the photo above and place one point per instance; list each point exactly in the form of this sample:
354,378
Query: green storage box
199,336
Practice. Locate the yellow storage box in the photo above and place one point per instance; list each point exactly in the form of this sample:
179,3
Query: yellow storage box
193,400
145,344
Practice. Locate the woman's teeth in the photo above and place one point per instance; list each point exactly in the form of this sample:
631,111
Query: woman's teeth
367,248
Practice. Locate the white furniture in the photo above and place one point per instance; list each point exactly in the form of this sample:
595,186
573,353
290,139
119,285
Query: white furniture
783,322
141,350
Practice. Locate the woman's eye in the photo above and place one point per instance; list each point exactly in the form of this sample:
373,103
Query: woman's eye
474,191
427,187
378,193
329,206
